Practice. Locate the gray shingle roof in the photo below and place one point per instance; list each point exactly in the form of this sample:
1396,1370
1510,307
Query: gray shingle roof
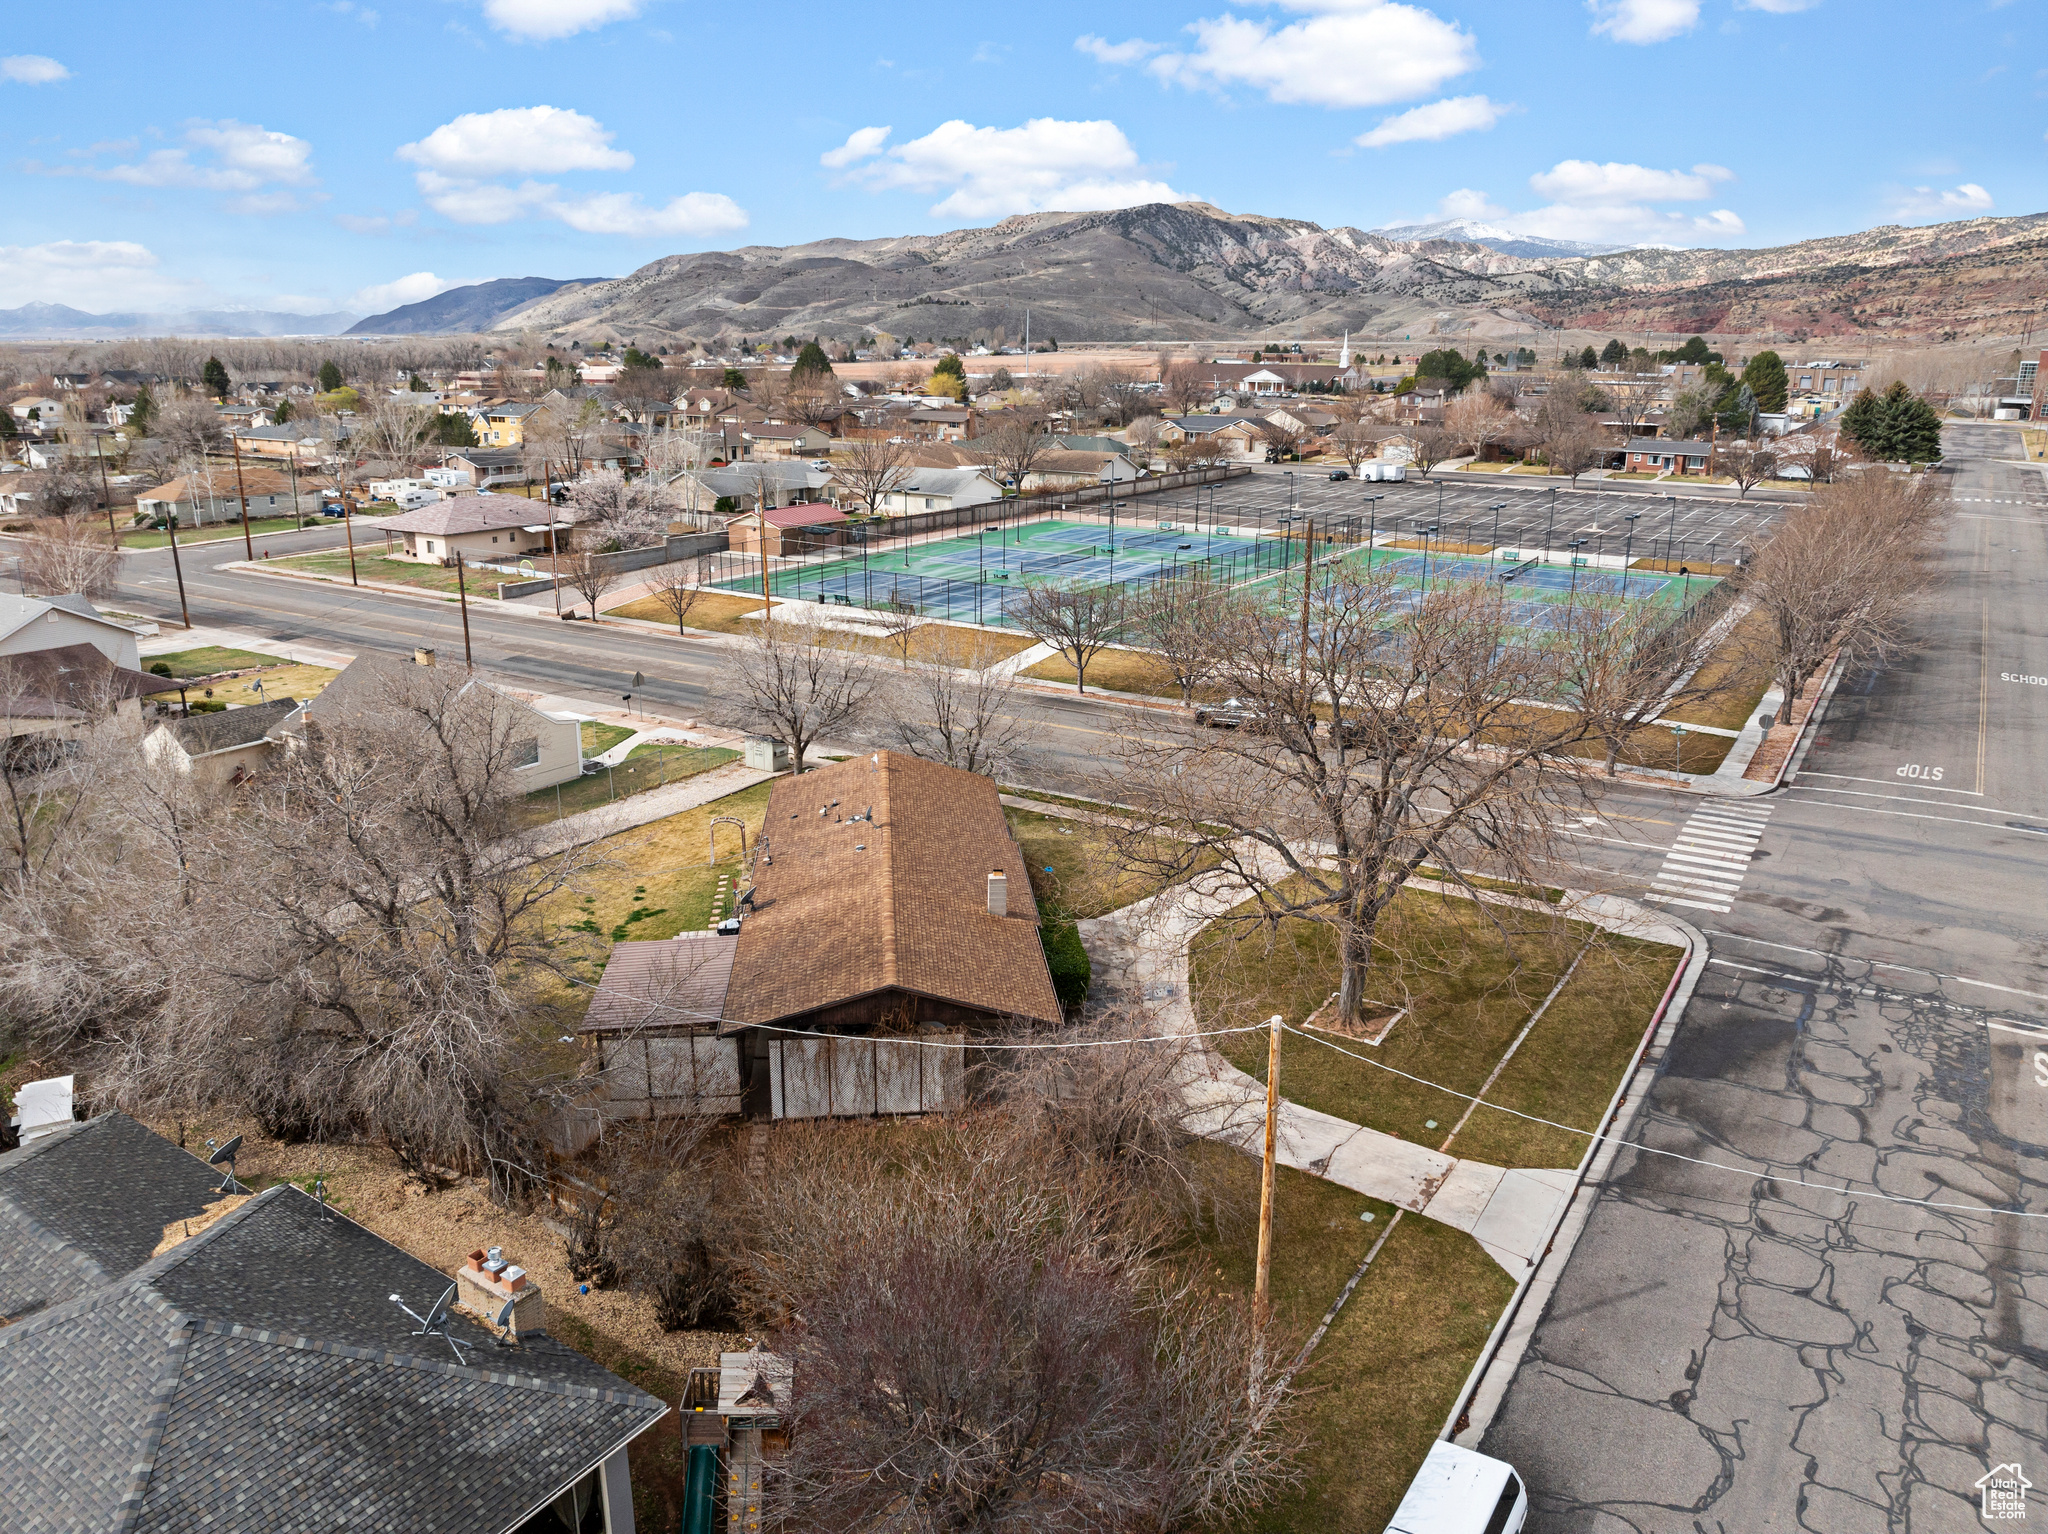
72,1198
255,1377
204,733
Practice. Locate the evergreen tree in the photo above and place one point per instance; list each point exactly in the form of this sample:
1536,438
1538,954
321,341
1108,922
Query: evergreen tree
1738,417
1613,354
416,384
1896,426
1694,350
454,430
282,413
143,414
812,359
330,377
1448,367
734,380
636,358
1765,375
215,376
1589,359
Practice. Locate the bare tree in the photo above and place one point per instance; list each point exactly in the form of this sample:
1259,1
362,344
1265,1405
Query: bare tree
1356,441
871,467
590,573
1430,446
1143,436
617,512
189,428
1177,618
1625,664
899,620
1079,621
396,429
1430,756
1183,386
1015,445
1574,450
964,717
1691,411
678,586
1749,464
1843,572
66,488
1283,441
70,553
1478,418
790,681
1818,451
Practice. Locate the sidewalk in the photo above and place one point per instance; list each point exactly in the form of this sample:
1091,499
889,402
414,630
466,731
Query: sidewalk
646,808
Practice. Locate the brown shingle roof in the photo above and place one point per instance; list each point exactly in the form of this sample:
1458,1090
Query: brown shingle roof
678,982
847,907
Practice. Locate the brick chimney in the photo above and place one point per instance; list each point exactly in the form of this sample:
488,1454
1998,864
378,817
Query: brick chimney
998,893
486,1281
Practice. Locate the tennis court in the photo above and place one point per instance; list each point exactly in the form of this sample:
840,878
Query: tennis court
974,579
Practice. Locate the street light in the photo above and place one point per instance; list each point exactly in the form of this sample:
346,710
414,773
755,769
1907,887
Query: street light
1576,545
1628,551
1493,547
1671,538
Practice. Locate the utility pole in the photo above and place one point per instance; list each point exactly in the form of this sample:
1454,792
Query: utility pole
348,523
1262,1292
462,599
248,545
171,528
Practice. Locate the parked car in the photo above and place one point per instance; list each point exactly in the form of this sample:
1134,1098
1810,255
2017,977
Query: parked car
1339,474
1230,714
1459,1491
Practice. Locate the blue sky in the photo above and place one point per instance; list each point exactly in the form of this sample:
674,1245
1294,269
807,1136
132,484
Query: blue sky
314,156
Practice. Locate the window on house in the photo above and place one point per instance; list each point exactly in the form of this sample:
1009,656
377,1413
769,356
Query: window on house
526,751
430,545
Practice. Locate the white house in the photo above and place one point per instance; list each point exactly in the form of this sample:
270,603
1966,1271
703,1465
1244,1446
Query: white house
941,490
49,623
223,749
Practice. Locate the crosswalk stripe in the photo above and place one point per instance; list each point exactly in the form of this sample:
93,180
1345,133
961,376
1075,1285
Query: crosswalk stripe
1697,905
1710,856
1693,860
1670,877
1716,843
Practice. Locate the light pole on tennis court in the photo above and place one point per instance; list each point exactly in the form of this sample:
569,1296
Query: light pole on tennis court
1628,551
1551,526
1493,549
1671,538
1577,544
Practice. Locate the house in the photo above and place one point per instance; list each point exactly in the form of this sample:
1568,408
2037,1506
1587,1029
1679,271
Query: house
1066,469
28,624
484,467
1662,455
56,691
478,527
778,439
798,528
505,422
288,441
37,409
1301,418
219,750
180,1355
87,454
196,500
781,482
547,748
1233,436
890,923
940,490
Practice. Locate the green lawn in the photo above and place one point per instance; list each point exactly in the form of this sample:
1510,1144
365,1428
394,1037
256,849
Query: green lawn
600,738
372,565
1385,1376
207,659
1072,871
1469,992
650,766
212,532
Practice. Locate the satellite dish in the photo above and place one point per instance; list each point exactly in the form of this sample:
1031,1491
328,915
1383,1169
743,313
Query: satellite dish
504,1316
435,1322
225,1156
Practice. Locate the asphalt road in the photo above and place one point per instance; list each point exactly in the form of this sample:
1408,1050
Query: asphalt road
1729,1353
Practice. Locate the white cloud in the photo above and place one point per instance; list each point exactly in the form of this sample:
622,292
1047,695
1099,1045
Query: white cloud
1346,53
411,289
32,69
1957,202
993,172
1585,184
1777,7
1438,120
1644,21
623,213
861,144
1103,51
540,21
520,140
226,156
95,275
1611,204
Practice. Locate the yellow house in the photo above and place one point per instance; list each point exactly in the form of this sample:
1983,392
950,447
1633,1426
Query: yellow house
504,424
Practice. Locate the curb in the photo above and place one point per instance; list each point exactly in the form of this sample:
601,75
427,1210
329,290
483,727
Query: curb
1486,1387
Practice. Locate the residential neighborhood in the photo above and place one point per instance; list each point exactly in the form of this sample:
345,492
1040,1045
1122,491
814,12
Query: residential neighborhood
1229,770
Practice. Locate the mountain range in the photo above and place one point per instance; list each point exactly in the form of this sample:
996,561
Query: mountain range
1189,271
59,322
461,311
1471,231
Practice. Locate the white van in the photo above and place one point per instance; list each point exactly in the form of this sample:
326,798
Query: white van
1458,1491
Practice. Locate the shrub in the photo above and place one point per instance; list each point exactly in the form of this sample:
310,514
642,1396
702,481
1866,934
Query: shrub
1067,960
